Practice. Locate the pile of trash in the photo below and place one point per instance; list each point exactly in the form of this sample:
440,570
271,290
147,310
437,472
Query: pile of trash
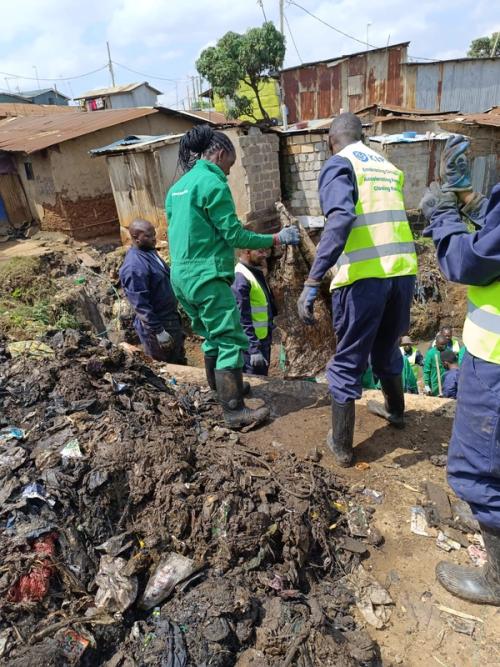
136,530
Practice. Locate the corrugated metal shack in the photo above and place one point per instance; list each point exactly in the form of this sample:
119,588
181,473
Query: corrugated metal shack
468,85
321,89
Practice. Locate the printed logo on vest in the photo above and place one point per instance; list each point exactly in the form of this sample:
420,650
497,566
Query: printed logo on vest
360,156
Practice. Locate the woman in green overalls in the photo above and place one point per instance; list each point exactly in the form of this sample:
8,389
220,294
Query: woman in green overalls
203,233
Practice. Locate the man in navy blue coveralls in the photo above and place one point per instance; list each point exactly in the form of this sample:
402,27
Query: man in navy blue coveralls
145,278
369,315
474,452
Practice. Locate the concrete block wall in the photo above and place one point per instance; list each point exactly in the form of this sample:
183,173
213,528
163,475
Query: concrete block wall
302,156
259,154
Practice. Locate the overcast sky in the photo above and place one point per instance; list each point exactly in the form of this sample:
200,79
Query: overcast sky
162,38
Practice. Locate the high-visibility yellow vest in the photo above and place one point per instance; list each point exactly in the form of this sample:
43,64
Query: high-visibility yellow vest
380,243
258,302
482,325
412,359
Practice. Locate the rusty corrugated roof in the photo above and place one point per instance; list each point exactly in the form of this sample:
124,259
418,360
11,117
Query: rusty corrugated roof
405,111
210,117
492,119
8,109
27,134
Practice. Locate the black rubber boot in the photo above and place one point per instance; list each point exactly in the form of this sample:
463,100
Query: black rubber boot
340,436
229,384
210,363
393,409
481,585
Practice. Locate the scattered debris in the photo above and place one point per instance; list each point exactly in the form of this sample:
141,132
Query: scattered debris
446,543
11,433
477,555
439,499
439,460
376,496
459,614
419,524
372,599
362,465
30,348
257,545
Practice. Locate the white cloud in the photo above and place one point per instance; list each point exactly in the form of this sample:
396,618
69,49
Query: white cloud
64,38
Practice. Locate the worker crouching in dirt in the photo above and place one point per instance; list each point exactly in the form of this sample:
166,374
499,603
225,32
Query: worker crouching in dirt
203,232
474,452
145,279
368,242
257,309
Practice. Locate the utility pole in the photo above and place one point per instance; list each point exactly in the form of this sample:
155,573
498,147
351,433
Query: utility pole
110,65
494,47
367,36
36,74
282,17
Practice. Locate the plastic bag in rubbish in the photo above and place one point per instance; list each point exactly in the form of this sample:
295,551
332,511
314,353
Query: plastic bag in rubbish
33,587
170,571
116,591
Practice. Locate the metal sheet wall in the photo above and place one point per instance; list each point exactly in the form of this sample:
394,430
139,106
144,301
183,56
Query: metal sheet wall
469,86
321,90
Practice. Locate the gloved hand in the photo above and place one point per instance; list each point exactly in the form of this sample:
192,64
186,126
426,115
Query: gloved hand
305,304
475,209
437,201
287,236
165,340
454,168
427,390
257,360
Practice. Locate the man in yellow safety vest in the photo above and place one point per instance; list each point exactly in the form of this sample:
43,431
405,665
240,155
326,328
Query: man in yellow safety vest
257,309
368,244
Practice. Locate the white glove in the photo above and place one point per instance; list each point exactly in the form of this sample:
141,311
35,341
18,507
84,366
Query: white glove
165,340
427,390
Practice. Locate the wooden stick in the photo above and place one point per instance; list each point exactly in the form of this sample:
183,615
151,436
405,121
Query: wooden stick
440,384
460,614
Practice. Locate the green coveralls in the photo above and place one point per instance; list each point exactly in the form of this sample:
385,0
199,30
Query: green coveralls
430,372
409,380
203,232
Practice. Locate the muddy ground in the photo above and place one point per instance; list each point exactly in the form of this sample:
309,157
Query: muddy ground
418,635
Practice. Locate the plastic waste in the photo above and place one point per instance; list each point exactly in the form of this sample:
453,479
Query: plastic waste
446,543
72,644
357,521
172,569
11,433
116,591
71,450
36,491
33,587
419,524
377,496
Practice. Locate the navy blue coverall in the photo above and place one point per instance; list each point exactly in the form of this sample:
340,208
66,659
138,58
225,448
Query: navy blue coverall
145,279
241,289
474,451
370,315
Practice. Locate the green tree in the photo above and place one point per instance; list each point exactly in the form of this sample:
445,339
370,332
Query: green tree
485,47
250,58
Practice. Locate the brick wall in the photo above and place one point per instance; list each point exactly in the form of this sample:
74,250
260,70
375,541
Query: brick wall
302,156
259,156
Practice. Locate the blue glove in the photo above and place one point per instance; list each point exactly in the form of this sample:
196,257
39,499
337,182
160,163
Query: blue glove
288,236
305,304
454,168
257,360
437,201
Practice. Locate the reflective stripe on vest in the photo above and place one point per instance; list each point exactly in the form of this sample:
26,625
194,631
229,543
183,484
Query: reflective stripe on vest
482,326
380,243
258,302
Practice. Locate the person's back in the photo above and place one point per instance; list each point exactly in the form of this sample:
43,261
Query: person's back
450,377
368,245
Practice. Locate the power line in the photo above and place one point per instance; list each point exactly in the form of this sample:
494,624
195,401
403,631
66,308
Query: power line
345,34
149,76
293,40
52,78
261,5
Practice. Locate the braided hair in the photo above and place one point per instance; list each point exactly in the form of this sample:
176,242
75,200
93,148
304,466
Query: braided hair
202,140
